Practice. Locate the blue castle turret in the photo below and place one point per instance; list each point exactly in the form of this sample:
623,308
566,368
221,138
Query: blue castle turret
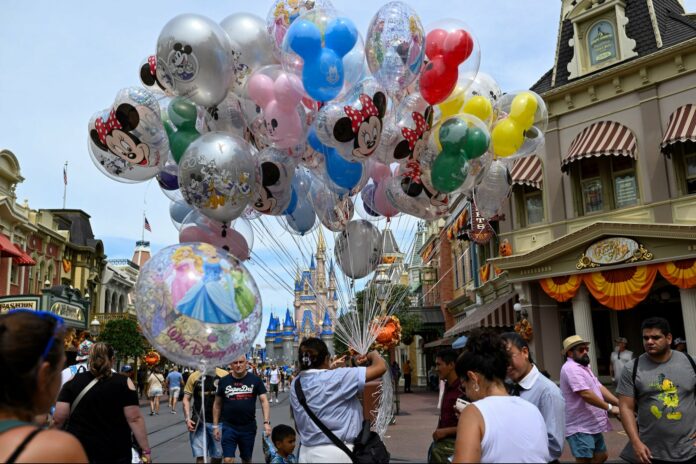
326,326
288,324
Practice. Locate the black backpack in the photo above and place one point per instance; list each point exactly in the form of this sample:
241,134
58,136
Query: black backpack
368,448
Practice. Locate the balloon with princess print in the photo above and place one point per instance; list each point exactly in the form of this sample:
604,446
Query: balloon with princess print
217,174
283,13
358,249
197,305
127,141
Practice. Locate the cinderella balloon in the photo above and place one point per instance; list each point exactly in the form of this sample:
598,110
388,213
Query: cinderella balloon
358,249
195,59
251,45
198,305
127,141
217,174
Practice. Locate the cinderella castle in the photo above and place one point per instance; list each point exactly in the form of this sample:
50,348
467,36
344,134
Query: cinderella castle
315,300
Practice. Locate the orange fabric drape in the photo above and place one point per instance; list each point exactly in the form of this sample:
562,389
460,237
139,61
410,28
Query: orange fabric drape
485,272
561,288
680,273
621,288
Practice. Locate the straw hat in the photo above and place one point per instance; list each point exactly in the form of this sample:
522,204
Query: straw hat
621,340
571,342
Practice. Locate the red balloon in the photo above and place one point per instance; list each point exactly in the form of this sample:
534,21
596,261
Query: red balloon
446,51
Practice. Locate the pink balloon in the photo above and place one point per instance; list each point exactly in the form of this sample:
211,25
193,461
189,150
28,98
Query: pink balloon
382,205
379,171
278,99
233,242
195,234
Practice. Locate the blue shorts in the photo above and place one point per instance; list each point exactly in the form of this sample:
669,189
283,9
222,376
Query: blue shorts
586,445
196,439
231,439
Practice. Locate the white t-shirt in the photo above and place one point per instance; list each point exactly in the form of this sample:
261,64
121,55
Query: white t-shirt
619,361
515,430
69,372
275,376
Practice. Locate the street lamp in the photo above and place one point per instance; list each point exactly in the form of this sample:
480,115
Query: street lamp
94,326
520,311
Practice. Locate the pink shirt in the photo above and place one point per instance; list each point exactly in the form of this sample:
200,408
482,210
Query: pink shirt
581,416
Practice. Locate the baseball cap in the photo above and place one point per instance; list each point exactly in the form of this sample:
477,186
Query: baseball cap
83,350
679,340
126,368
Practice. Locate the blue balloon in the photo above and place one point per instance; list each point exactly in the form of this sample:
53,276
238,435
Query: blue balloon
302,218
293,202
322,72
345,174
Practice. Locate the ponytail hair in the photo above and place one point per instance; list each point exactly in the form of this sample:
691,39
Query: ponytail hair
312,354
100,357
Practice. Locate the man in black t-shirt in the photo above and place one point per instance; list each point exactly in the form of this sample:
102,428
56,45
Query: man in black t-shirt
193,415
235,401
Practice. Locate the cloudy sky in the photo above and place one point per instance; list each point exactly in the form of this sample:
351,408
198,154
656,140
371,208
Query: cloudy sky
63,61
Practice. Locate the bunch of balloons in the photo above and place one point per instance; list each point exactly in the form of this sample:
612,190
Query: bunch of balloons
301,117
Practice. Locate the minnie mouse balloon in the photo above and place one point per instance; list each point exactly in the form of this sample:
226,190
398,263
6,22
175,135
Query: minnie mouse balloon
195,59
358,249
127,141
216,175
198,305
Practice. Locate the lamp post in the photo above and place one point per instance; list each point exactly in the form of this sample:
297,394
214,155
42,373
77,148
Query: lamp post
520,311
94,327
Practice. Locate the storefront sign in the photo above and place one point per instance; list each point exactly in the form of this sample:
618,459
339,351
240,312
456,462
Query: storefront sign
613,250
9,305
481,231
602,42
68,311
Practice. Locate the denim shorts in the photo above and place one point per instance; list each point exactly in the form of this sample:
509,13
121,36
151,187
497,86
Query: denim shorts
586,445
231,439
196,439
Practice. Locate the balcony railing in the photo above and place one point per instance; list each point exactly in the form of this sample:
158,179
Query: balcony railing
103,318
124,262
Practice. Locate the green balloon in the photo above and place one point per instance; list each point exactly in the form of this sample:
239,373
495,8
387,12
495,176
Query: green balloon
475,143
182,112
447,172
180,140
453,135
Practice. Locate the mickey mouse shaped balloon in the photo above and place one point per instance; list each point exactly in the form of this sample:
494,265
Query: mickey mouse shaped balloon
273,182
321,51
127,141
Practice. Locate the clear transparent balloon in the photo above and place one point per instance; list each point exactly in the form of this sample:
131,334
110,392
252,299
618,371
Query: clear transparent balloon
358,249
493,190
283,13
534,138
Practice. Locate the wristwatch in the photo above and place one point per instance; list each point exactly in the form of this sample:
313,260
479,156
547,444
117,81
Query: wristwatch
609,407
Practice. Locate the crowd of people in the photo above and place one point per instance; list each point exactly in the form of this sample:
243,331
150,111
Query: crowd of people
496,404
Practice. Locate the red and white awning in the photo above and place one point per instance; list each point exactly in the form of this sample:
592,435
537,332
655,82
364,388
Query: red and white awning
601,139
681,128
528,171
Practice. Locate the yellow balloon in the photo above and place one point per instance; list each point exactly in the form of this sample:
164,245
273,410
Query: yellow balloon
453,105
479,106
523,109
507,137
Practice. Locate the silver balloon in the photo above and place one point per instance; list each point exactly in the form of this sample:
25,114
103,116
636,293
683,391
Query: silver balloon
217,174
358,249
227,116
395,46
178,211
127,141
494,189
417,202
251,44
273,191
195,59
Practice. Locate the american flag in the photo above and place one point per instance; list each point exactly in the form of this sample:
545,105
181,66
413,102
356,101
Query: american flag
65,175
147,226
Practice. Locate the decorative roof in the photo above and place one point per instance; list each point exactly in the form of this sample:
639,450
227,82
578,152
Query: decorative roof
288,324
307,319
335,295
673,27
311,264
389,245
272,325
327,319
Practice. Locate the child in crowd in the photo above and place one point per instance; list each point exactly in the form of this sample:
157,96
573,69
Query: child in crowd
279,447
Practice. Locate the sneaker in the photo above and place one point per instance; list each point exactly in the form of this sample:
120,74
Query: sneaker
152,413
173,411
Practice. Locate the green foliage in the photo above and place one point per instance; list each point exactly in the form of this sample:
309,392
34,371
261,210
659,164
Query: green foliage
123,335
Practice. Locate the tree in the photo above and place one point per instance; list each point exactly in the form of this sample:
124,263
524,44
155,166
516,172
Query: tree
125,338
398,303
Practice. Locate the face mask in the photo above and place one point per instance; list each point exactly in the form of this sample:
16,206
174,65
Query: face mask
584,360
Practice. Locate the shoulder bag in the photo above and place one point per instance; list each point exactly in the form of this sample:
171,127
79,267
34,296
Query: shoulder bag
368,448
74,404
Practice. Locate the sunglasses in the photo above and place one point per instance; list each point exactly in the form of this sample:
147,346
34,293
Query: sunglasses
582,349
59,324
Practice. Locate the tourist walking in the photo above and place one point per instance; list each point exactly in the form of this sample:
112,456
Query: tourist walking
659,388
495,427
101,408
588,403
444,435
199,416
174,380
533,386
407,376
155,390
332,396
31,359
619,358
274,381
235,403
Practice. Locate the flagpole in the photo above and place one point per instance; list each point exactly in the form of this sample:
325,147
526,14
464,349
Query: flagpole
65,182
142,239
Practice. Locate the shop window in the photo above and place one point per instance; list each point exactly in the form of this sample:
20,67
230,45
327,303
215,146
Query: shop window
604,184
14,274
685,167
529,205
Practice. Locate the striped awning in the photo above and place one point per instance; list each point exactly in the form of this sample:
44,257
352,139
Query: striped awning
681,128
527,171
601,139
497,313
23,259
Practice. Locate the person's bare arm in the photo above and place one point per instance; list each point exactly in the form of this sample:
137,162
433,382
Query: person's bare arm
627,406
190,425
444,432
61,414
377,368
136,422
54,446
608,396
590,398
266,409
470,429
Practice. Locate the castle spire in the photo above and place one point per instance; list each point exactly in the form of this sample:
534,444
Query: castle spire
321,245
